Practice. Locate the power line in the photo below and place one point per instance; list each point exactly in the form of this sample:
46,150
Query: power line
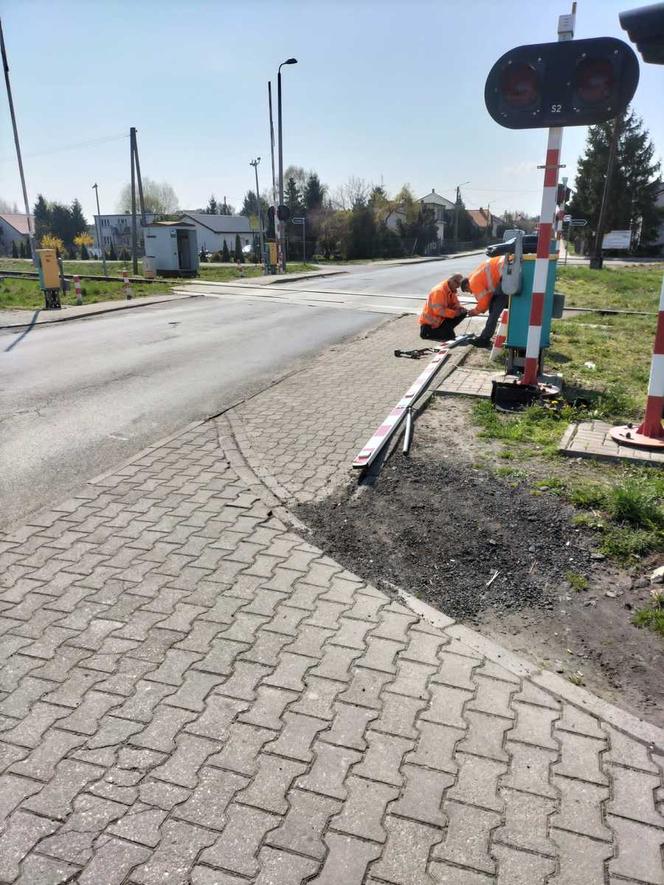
69,147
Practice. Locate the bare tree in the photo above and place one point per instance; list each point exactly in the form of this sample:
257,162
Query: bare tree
159,197
355,190
7,207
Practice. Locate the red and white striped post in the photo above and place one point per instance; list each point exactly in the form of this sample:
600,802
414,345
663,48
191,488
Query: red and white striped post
127,285
77,287
545,230
650,433
544,234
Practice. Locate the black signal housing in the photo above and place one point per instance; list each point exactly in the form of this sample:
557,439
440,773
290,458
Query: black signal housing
568,83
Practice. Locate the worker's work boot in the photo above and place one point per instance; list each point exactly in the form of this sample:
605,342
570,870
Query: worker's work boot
481,342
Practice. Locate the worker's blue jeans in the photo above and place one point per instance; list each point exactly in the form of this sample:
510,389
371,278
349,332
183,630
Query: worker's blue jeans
498,304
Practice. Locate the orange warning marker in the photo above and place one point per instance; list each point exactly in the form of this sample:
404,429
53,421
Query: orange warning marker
501,336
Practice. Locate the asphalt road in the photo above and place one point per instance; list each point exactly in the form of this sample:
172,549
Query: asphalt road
77,398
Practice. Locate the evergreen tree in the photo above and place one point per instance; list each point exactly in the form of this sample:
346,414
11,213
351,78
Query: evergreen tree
22,253
212,206
14,249
634,184
314,192
225,254
239,254
225,208
42,217
250,206
28,249
293,199
362,231
78,223
85,255
112,256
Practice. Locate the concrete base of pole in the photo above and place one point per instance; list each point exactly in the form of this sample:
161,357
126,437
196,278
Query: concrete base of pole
628,435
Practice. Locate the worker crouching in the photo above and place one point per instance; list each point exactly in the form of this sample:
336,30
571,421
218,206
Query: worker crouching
442,311
484,284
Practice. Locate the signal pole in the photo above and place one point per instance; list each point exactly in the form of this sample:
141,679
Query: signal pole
596,260
95,188
134,231
545,230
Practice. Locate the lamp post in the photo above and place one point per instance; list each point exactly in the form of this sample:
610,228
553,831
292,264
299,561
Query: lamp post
282,224
95,188
255,163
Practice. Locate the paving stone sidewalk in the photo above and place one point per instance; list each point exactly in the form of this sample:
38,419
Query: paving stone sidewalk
191,693
301,435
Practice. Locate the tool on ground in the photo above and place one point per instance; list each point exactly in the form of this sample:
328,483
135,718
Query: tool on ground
417,353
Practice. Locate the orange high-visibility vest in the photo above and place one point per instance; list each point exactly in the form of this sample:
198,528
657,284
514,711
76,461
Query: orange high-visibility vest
484,281
442,303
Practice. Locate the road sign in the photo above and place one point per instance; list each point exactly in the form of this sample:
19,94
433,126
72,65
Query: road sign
567,218
298,220
569,83
617,239
578,222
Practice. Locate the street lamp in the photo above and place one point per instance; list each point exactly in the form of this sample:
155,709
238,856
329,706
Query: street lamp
255,163
282,224
456,210
95,188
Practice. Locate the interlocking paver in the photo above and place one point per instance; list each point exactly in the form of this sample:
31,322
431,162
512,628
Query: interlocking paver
347,860
23,831
422,797
364,810
175,855
235,850
404,858
382,761
302,829
581,808
467,837
329,770
213,794
349,725
581,860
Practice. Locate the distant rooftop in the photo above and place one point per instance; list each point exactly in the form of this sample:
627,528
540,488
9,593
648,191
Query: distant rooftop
19,221
221,224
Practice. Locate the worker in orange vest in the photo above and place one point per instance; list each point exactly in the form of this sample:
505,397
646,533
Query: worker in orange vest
442,311
484,284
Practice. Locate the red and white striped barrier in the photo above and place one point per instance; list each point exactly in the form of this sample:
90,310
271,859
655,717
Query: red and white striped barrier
127,285
549,196
650,433
501,336
77,287
383,433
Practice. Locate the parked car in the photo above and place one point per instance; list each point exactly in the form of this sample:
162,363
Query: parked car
529,243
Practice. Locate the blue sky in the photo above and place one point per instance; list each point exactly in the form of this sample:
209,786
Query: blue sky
386,90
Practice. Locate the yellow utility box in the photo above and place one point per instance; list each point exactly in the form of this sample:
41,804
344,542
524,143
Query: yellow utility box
49,272
273,253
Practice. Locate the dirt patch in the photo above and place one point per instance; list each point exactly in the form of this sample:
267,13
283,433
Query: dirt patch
492,554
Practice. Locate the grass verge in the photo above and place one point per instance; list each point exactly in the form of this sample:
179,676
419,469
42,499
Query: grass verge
25,294
618,288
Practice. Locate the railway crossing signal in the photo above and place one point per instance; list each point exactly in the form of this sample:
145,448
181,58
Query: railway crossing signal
569,83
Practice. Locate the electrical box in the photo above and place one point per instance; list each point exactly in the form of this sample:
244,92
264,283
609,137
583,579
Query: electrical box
519,306
49,271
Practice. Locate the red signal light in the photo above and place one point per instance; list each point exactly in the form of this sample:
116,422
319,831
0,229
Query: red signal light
594,80
519,86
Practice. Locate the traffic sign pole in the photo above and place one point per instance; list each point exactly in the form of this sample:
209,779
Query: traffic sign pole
545,231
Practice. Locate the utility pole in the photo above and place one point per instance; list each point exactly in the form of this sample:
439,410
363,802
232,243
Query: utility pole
134,231
95,188
274,180
255,163
282,224
141,201
596,259
10,100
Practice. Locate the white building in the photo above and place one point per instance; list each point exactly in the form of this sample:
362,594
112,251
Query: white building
13,229
215,230
115,230
440,206
171,248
